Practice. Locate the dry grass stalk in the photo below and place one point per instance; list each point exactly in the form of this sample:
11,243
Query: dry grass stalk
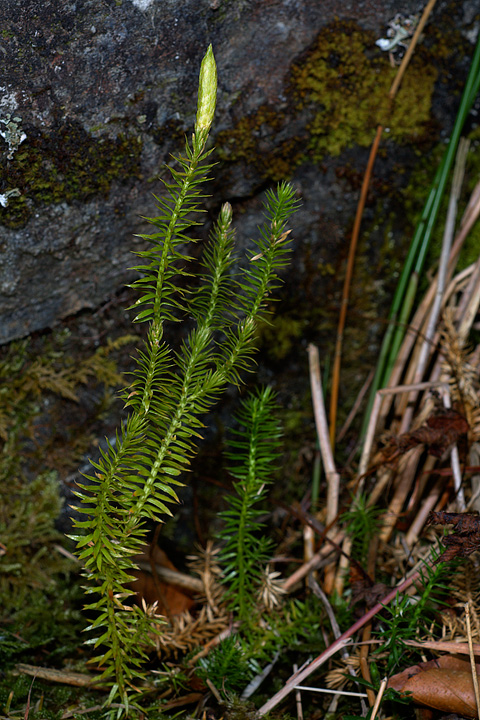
384,478
474,460
429,343
469,219
342,569
426,507
466,312
298,697
449,230
444,646
417,326
308,543
455,463
60,676
468,306
372,425
462,388
381,690
412,334
319,557
421,482
356,405
406,474
332,476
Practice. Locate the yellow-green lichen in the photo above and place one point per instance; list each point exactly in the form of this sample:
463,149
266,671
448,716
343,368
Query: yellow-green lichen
12,133
345,81
67,164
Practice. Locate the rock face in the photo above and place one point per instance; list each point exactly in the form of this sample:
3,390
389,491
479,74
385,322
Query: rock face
97,94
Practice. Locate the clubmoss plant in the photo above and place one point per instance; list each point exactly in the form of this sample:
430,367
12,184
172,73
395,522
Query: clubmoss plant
253,451
136,476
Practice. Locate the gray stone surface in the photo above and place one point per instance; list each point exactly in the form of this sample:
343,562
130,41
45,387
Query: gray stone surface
94,97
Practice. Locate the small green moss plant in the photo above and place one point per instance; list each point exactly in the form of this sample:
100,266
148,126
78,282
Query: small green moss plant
253,451
227,666
409,617
136,476
362,524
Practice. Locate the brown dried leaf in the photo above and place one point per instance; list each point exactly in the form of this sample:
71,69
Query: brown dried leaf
466,535
363,587
444,684
441,430
170,600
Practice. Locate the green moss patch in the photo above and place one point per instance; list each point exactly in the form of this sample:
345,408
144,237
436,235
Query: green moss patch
345,80
249,141
64,165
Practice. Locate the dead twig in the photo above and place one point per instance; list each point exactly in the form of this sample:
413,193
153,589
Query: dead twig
337,645
333,478
381,690
173,577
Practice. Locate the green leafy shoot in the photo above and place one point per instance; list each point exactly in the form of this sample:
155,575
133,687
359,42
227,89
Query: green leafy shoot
226,666
253,450
362,522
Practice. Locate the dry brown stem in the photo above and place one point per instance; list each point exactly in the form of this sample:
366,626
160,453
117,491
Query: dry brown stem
333,478
314,563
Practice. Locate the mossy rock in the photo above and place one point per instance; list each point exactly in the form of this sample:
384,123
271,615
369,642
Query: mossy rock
66,164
